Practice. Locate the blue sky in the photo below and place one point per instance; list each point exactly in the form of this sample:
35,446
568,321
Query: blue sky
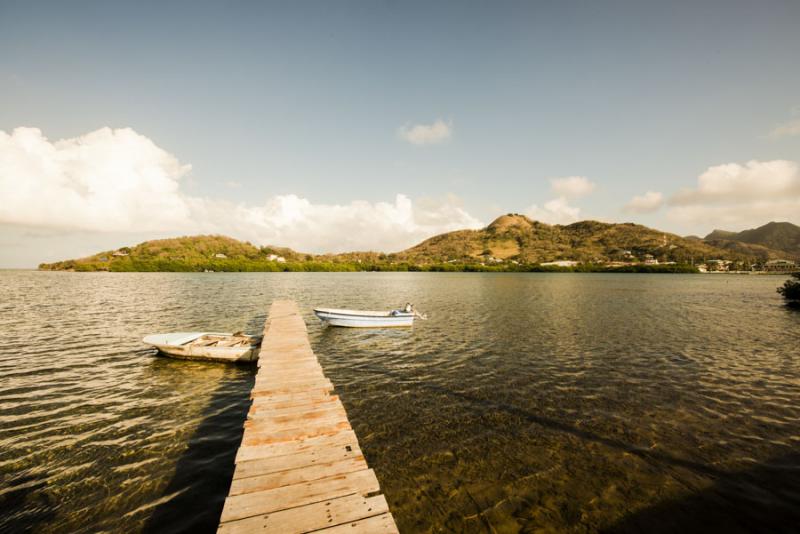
293,111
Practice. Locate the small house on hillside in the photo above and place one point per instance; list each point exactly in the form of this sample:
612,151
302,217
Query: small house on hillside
220,256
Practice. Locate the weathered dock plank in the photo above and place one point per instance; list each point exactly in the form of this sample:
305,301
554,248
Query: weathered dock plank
296,476
313,394
339,511
379,524
273,464
299,467
262,405
265,410
271,500
344,438
261,436
265,424
312,448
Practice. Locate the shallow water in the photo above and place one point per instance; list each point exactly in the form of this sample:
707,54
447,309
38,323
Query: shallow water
528,402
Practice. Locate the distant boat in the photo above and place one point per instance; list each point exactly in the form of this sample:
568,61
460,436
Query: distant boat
210,346
368,319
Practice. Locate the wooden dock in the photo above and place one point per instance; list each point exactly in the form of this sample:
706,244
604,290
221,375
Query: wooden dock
299,467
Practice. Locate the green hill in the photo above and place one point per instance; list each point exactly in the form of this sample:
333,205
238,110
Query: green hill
189,253
518,238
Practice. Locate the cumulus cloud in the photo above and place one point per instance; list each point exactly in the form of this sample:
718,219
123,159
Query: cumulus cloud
120,181
426,134
741,195
572,186
647,203
787,129
107,179
555,211
743,184
301,224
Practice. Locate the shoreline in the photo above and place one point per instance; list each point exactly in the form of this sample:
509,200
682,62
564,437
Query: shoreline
437,268
497,271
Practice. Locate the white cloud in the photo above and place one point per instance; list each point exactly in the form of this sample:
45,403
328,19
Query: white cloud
572,186
120,181
743,184
787,129
555,211
297,222
426,134
738,196
107,179
647,203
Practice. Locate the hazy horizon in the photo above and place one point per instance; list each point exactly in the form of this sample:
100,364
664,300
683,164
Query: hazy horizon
360,125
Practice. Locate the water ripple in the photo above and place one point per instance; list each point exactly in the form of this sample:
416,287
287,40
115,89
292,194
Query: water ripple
549,402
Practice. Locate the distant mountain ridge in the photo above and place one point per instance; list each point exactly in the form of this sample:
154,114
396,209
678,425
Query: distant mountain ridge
776,239
719,234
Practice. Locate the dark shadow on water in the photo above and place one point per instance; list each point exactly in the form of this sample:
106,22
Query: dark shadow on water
764,499
204,472
23,509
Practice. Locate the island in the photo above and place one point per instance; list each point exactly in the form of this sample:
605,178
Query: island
511,243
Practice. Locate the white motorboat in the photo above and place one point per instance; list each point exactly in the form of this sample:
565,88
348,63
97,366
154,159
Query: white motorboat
211,346
368,319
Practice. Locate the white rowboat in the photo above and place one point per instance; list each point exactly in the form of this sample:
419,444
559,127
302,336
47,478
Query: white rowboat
367,319
210,346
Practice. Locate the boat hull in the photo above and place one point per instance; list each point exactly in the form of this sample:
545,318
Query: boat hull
210,354
373,320
179,345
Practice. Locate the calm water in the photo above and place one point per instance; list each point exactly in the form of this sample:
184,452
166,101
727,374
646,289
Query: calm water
528,402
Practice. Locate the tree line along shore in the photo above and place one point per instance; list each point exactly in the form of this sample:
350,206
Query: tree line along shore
238,265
